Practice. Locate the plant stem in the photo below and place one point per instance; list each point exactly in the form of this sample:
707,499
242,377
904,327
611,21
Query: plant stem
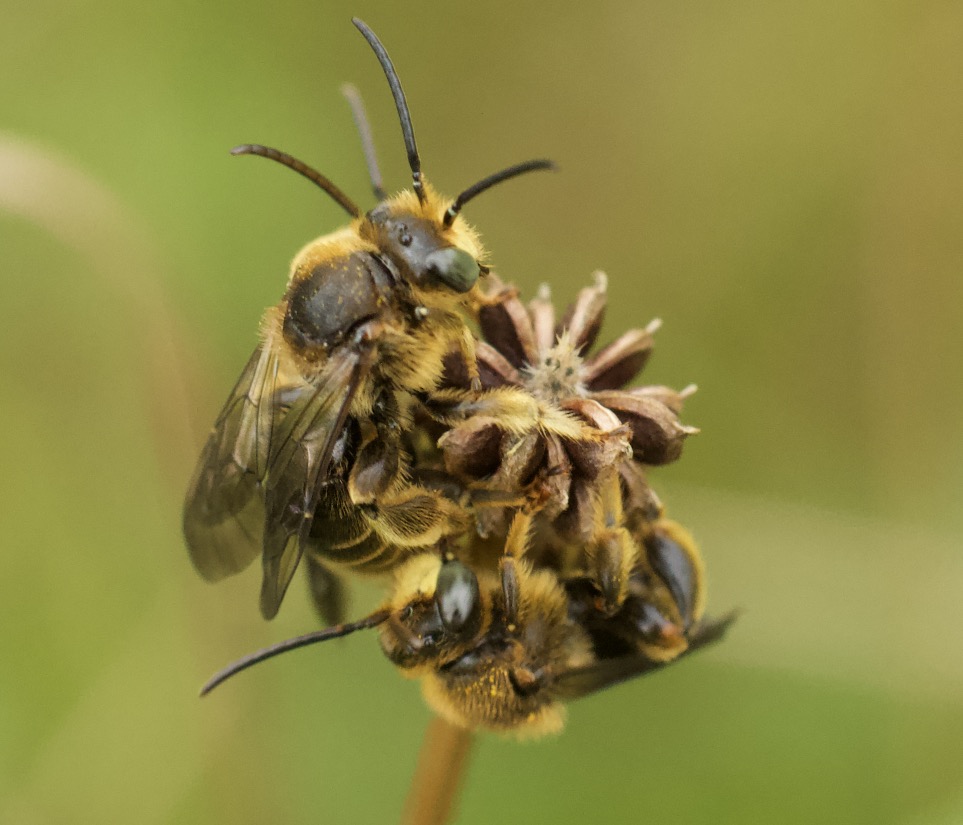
441,765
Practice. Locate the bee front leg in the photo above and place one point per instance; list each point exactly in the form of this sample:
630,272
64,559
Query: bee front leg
466,346
612,553
513,409
516,543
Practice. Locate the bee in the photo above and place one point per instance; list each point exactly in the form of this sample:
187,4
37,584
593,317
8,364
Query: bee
664,597
308,453
493,653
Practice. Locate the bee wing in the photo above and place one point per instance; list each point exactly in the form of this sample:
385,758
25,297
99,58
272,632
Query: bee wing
299,460
223,511
604,673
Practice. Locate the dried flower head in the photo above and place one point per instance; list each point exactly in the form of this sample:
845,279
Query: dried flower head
625,429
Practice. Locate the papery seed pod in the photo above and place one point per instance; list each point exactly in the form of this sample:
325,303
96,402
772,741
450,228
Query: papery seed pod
657,434
525,347
472,448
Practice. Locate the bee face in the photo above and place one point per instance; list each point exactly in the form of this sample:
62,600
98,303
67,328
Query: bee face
506,683
650,625
486,693
433,620
426,253
414,636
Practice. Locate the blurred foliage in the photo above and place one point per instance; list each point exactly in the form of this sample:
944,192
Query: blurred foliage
781,183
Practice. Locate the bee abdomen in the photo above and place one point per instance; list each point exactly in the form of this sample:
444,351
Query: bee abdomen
371,556
327,303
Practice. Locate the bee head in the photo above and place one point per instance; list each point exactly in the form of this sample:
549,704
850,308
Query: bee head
484,690
421,249
657,608
437,613
506,681
415,232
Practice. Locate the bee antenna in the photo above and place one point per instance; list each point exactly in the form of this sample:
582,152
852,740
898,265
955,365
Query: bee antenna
333,632
353,96
414,162
302,169
486,183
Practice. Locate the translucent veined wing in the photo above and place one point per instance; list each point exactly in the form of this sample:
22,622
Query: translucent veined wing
299,461
607,672
224,508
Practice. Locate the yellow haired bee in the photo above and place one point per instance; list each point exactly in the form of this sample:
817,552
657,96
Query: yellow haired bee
664,597
308,454
503,653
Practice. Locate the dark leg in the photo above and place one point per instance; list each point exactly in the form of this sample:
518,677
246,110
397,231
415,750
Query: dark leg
515,544
327,592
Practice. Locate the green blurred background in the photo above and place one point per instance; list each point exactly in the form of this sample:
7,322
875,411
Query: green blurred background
782,183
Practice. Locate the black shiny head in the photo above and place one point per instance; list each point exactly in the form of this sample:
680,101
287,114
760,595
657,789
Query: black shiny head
457,596
639,620
436,629
418,248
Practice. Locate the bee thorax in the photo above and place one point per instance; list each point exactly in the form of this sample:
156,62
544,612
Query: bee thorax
325,303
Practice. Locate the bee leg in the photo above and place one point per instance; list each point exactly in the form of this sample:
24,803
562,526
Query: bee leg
612,553
379,461
415,517
327,592
514,409
482,495
466,345
515,545
509,574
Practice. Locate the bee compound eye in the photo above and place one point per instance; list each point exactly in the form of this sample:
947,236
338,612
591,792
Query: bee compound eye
457,595
453,267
